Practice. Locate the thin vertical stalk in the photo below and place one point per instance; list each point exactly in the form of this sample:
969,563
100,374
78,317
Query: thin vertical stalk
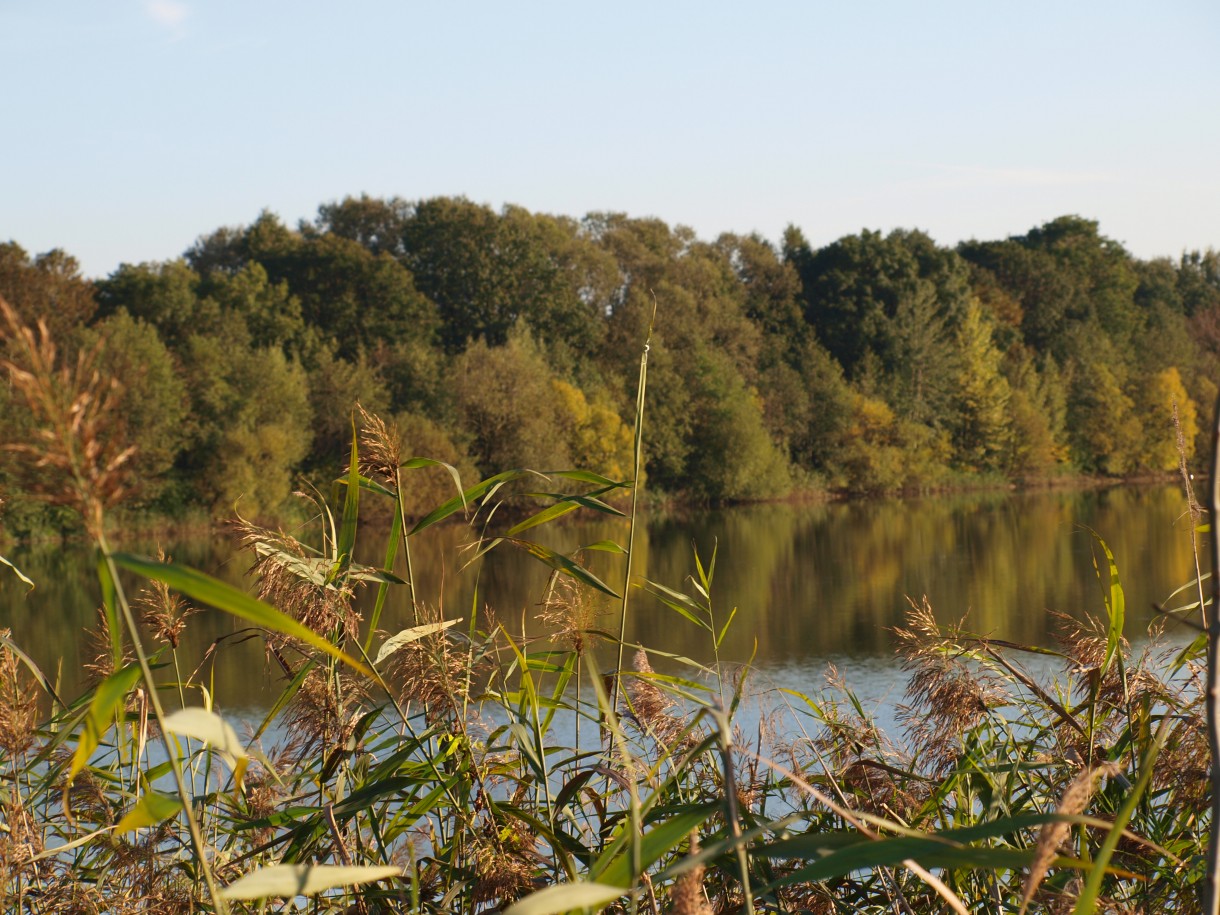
170,752
638,453
406,546
1211,905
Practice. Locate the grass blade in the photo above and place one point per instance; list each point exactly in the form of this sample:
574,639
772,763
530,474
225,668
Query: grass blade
222,596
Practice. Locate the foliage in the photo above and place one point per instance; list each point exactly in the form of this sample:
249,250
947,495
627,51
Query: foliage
1024,358
429,770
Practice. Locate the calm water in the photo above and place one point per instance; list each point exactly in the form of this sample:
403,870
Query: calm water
811,584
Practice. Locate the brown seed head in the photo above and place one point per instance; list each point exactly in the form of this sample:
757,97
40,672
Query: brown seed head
1075,799
78,453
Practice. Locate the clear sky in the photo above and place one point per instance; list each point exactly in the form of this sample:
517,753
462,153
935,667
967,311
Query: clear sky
130,127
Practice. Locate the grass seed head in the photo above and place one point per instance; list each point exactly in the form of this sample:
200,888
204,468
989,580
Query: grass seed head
380,447
78,451
649,704
1075,800
686,895
18,704
163,612
571,611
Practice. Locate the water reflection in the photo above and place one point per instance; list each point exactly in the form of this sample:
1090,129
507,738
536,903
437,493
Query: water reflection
810,582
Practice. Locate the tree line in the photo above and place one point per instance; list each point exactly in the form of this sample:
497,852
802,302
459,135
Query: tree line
500,339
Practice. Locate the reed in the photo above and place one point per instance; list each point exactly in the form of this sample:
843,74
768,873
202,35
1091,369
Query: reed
426,770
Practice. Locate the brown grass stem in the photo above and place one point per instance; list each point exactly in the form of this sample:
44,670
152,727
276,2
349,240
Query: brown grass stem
1211,903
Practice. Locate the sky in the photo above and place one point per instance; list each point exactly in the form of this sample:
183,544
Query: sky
129,128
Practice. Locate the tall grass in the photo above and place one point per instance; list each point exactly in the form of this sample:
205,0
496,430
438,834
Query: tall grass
434,769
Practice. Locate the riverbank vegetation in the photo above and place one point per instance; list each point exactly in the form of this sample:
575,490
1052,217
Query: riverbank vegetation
461,766
876,363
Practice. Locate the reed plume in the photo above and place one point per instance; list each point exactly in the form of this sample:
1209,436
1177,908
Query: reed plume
77,447
1075,799
946,697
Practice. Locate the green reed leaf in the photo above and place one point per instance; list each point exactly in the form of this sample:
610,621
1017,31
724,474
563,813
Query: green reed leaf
1116,603
661,839
351,508
151,809
108,699
418,463
110,608
209,590
550,513
459,502
561,563
678,602
1086,902
604,546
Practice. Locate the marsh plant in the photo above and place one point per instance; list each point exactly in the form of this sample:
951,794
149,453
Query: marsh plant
434,769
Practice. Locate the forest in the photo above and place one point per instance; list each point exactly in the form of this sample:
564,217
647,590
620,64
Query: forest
499,339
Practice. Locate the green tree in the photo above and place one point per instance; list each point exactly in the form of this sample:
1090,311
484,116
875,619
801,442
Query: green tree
250,422
734,457
507,406
980,423
376,224
1106,434
165,295
486,271
884,306
272,314
1038,414
1157,397
336,387
153,401
46,288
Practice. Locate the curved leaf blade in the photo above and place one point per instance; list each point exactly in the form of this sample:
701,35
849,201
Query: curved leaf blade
209,590
303,880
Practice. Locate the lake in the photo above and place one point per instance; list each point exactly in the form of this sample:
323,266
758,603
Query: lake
812,583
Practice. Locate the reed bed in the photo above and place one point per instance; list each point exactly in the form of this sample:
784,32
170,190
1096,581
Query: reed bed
433,770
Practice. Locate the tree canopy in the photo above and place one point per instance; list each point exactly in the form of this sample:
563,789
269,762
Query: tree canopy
511,338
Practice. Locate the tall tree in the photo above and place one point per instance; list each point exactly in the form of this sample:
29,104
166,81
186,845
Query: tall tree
885,307
981,398
46,288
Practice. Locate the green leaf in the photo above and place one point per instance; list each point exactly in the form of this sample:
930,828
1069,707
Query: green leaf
658,841
351,508
459,502
214,731
550,513
566,897
151,809
587,476
414,634
725,628
391,553
561,563
111,609
34,669
605,546
1086,902
418,462
1116,603
303,880
678,602
201,587
109,697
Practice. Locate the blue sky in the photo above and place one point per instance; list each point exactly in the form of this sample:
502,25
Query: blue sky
128,128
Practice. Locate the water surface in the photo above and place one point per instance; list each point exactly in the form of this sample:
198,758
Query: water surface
811,584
